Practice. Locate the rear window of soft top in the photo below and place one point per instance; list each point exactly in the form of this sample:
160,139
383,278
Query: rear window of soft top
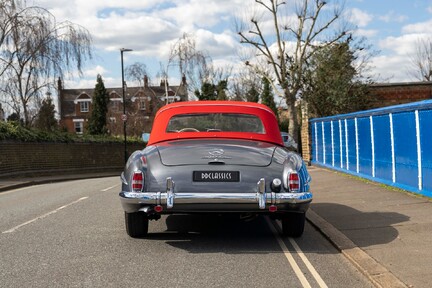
215,122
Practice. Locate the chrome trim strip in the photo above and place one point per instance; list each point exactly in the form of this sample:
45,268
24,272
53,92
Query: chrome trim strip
169,193
261,195
123,179
158,198
154,198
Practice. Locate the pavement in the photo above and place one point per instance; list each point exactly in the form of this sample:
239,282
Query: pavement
7,184
386,233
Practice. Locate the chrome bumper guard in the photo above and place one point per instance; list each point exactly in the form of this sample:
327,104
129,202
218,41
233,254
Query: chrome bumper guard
170,198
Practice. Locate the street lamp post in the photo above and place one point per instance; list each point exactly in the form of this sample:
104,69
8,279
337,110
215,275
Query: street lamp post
124,117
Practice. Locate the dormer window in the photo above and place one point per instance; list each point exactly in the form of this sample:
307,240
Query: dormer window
84,106
115,101
142,101
84,101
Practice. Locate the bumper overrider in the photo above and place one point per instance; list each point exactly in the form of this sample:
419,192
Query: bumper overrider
172,202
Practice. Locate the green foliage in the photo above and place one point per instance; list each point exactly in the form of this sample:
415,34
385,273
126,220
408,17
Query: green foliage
267,97
16,132
332,83
14,117
208,92
221,90
212,92
97,122
252,95
46,120
283,125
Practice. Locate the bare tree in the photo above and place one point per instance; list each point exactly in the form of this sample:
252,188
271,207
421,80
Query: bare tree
34,49
287,45
191,62
247,86
421,61
136,72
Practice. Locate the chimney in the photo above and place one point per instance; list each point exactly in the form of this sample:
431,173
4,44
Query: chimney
59,84
183,82
145,81
162,83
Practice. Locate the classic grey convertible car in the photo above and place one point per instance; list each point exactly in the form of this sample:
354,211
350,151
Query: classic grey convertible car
215,157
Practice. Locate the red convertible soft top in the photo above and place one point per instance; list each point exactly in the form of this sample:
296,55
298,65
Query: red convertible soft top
159,132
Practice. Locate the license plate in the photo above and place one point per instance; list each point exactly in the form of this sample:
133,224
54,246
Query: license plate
216,176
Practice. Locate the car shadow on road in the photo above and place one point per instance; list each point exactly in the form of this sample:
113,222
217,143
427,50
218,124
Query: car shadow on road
363,228
218,234
213,225
231,235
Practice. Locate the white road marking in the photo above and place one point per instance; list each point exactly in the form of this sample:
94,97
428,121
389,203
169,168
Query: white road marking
300,253
312,270
288,255
109,188
43,216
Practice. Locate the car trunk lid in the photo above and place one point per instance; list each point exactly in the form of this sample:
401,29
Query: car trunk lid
216,152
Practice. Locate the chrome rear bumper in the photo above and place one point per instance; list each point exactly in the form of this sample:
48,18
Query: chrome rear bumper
171,201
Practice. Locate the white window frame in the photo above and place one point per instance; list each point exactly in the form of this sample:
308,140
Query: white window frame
142,104
78,123
84,106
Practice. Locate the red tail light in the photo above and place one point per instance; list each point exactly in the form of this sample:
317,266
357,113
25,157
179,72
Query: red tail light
137,181
273,208
293,182
158,208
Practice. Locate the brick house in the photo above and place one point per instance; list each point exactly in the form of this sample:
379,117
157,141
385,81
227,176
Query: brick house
75,106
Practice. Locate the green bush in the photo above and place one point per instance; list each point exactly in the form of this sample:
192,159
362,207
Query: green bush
14,131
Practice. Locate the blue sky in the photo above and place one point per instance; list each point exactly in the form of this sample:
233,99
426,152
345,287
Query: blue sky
150,27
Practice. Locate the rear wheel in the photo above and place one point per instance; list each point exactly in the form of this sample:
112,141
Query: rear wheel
136,224
293,224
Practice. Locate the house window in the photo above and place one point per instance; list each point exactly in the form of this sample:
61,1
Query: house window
79,127
115,105
84,106
142,104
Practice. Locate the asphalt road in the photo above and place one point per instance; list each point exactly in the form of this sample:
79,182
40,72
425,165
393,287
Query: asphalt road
71,234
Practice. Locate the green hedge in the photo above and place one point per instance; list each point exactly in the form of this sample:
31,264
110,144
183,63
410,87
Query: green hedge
14,131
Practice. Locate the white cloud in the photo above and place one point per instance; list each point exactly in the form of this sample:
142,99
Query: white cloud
403,45
394,63
391,68
150,26
93,72
217,45
144,33
359,17
420,28
368,33
392,16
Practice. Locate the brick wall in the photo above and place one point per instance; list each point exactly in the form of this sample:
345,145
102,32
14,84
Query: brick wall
25,159
305,142
388,94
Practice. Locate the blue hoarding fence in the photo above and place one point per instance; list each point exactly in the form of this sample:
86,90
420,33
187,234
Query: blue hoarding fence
391,145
